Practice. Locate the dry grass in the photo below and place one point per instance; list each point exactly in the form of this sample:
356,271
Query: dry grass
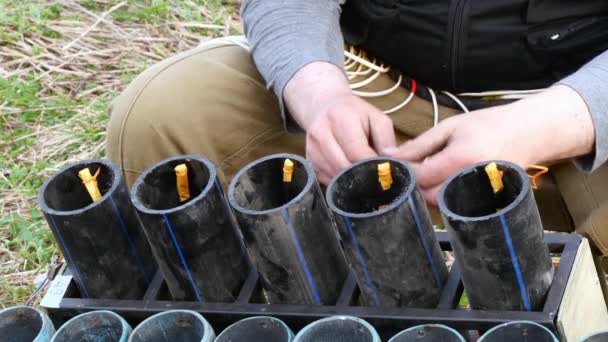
61,62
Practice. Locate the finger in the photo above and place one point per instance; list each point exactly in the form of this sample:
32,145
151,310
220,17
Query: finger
430,195
334,156
433,170
314,153
320,166
353,140
322,146
424,145
382,131
324,177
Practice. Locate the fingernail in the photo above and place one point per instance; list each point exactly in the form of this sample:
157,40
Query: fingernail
390,150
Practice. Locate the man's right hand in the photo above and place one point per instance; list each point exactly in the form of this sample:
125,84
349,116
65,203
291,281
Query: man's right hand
341,128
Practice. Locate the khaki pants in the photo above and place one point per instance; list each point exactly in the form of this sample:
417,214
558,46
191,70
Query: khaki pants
213,102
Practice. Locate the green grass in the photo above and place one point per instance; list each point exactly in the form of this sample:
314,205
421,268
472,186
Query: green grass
45,123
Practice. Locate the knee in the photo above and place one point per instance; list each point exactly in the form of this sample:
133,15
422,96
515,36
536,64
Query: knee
190,103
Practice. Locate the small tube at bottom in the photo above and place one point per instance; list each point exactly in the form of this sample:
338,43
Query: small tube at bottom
94,326
25,324
428,333
174,325
520,331
338,329
261,328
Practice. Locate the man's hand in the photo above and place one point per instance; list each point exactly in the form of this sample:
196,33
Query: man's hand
347,130
340,127
553,125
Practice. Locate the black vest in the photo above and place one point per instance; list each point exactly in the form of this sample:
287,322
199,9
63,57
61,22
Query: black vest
477,45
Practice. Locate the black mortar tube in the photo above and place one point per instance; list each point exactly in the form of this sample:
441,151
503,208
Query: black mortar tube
497,238
103,242
393,250
196,243
289,232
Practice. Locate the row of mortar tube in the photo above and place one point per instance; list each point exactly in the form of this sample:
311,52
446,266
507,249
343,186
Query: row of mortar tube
25,324
292,240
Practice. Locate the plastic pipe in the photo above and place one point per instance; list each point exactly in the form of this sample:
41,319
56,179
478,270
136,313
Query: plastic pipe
288,230
25,324
102,241
601,336
94,326
338,329
388,235
196,243
520,331
497,238
428,333
262,328
173,326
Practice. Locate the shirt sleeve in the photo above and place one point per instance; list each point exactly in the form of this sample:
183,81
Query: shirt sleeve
286,35
591,82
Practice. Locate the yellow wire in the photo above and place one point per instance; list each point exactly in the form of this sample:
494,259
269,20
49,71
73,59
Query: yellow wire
385,176
183,187
287,170
533,178
90,182
495,176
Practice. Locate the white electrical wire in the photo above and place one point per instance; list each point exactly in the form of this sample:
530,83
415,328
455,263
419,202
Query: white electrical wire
365,62
349,64
353,74
502,92
514,96
366,81
435,107
357,58
401,105
457,100
381,92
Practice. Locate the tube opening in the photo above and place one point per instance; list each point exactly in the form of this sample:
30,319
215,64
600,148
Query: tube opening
261,185
66,192
92,327
517,331
470,193
337,330
171,326
158,188
256,329
429,333
21,324
358,190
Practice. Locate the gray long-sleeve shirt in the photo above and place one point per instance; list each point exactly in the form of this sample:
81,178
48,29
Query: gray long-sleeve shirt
286,35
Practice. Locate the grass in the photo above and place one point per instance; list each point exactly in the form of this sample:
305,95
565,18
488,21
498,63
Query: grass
61,63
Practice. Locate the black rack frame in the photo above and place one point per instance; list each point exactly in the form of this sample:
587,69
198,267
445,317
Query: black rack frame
387,321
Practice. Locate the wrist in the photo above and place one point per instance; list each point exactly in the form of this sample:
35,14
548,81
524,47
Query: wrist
557,124
312,90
